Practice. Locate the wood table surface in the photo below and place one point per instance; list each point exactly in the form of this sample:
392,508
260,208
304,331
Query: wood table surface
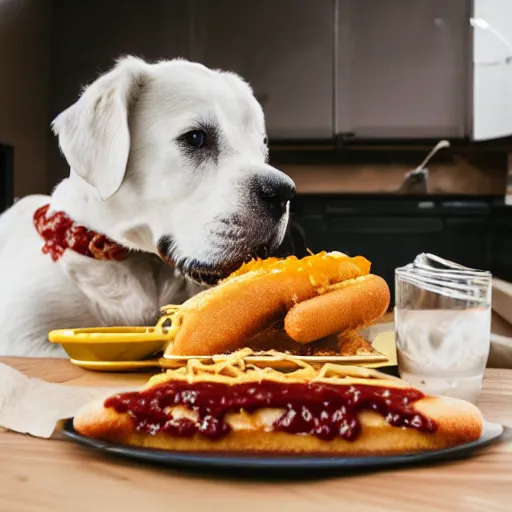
56,475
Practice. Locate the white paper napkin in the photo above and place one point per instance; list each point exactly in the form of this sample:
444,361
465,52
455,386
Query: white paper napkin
33,406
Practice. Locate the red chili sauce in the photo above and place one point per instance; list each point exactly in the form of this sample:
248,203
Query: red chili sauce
324,410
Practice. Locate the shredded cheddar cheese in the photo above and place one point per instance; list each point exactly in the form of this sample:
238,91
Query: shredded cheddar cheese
234,369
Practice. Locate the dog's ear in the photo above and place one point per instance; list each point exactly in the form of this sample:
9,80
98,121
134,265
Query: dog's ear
93,133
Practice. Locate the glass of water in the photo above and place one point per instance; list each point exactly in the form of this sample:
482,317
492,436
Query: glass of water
442,326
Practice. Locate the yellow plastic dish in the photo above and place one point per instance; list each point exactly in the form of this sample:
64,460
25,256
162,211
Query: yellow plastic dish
111,343
121,349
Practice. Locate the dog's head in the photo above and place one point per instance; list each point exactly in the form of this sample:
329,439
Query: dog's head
177,153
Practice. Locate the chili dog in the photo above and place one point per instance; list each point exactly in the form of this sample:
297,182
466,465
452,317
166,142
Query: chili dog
230,407
299,300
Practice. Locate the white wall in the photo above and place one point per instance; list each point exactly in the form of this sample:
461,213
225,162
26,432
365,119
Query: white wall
492,78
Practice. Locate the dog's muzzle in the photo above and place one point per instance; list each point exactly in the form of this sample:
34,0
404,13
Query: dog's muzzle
208,273
255,231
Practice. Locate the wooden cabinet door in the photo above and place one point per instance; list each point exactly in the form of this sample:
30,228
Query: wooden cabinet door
283,48
403,68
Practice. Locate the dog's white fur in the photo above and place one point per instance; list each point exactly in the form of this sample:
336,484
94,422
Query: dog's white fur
131,180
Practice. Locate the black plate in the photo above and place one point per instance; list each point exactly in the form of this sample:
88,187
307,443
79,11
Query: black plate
492,433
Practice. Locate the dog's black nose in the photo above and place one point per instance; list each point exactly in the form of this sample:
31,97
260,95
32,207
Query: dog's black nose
275,190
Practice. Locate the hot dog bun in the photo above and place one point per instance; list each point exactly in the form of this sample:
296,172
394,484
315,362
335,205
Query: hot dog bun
458,422
438,422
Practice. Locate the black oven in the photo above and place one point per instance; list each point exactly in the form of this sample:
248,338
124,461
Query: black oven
391,230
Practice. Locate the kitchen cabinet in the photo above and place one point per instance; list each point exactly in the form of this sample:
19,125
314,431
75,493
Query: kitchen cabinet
367,69
284,49
415,69
402,68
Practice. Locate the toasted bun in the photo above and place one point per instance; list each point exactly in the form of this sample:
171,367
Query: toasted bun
351,305
457,421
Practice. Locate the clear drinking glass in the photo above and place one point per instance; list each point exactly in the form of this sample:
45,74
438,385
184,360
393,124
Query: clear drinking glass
442,326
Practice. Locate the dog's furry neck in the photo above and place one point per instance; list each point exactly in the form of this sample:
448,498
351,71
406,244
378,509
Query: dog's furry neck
74,197
81,202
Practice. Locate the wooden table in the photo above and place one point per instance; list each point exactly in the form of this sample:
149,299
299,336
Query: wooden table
55,475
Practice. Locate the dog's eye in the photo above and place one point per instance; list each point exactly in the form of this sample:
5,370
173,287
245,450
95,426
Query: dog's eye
195,138
265,141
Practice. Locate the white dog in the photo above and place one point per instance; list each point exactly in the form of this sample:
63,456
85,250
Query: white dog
168,160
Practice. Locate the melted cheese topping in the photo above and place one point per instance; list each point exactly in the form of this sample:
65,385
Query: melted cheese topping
262,419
